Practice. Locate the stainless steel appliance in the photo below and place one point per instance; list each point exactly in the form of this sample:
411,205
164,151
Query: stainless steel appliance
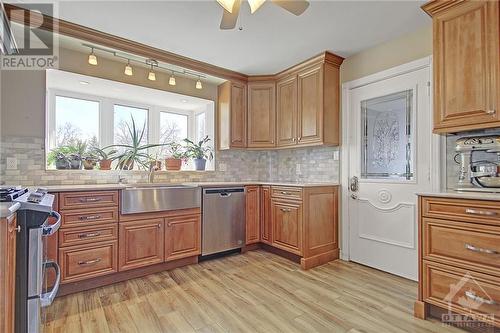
479,159
32,218
223,219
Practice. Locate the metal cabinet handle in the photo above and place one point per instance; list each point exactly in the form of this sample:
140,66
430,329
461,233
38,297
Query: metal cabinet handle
293,139
90,234
480,212
285,193
18,228
90,217
472,295
159,225
300,138
90,199
491,112
90,262
286,210
480,250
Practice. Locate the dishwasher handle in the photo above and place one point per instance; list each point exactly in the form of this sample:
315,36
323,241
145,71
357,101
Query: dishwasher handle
224,192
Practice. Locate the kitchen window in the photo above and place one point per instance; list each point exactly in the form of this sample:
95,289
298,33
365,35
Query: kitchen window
122,120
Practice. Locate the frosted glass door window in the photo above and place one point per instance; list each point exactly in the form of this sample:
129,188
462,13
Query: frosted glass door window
387,137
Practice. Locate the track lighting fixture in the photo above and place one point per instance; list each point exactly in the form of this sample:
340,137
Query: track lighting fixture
151,75
171,81
198,84
128,69
92,58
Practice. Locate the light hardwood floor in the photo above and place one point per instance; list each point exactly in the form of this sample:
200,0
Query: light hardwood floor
254,292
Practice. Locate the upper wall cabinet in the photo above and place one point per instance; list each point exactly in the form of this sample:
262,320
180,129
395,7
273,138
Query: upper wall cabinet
261,114
232,115
466,64
297,107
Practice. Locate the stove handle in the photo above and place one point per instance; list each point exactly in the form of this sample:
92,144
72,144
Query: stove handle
52,229
47,298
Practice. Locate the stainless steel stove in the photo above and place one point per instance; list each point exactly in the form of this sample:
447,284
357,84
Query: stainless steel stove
10,193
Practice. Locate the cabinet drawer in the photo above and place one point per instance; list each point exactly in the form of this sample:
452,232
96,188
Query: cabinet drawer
88,217
76,200
85,235
294,193
479,211
461,291
462,243
84,262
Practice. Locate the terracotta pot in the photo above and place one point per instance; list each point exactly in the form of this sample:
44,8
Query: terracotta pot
173,164
156,164
88,164
105,164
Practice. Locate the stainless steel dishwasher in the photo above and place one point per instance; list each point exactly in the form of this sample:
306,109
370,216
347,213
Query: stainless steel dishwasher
223,219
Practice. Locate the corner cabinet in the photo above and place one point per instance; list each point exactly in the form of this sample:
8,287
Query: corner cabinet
232,115
261,114
466,64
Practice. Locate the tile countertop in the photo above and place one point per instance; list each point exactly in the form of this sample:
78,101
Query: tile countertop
463,195
8,208
103,187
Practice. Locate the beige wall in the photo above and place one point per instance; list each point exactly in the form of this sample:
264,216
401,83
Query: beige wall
412,46
22,93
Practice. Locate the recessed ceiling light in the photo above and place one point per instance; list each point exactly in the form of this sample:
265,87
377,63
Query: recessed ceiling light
184,100
84,82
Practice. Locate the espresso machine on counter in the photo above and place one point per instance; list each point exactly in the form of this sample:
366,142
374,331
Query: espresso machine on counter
479,159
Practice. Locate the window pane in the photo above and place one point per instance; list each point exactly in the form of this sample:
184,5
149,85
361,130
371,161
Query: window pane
76,119
200,126
123,116
387,138
173,128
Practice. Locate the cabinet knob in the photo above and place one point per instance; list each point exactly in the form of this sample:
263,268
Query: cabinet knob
491,112
18,228
159,225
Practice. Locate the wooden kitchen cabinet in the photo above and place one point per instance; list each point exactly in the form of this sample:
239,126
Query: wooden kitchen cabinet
252,212
466,64
310,105
52,244
8,234
261,114
232,115
286,111
287,225
141,243
182,236
265,215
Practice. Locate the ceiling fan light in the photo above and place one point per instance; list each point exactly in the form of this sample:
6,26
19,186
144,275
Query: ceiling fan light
227,4
255,5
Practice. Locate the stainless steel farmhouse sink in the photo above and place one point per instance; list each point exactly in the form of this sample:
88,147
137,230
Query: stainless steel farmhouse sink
143,198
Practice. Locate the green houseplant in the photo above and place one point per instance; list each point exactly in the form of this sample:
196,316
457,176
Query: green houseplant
176,153
105,157
134,153
199,152
68,156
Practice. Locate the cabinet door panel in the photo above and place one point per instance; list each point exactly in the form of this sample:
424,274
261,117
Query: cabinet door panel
466,60
238,115
310,105
287,225
265,215
252,198
182,236
261,115
141,243
286,109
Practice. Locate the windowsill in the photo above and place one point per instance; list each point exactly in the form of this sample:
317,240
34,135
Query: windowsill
125,171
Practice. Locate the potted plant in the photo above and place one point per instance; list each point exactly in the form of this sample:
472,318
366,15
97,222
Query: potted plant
199,152
105,157
59,157
135,152
89,161
175,156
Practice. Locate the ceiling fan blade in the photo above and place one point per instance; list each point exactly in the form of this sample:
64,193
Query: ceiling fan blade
296,7
229,19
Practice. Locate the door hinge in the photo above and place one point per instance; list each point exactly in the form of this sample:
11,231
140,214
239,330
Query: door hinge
428,88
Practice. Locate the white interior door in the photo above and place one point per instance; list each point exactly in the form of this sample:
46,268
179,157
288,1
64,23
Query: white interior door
390,156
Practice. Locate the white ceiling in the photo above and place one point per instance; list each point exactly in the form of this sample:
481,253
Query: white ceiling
93,86
271,40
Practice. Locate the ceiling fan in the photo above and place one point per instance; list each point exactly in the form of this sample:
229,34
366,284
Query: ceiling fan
232,9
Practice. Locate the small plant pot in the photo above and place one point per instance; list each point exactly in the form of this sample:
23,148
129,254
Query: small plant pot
62,164
105,164
75,164
173,164
88,164
127,165
155,164
200,164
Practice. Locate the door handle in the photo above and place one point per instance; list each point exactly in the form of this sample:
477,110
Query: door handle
354,184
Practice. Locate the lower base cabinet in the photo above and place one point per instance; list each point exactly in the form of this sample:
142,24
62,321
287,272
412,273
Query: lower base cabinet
287,225
141,243
182,236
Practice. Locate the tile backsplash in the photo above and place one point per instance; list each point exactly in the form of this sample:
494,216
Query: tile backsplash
315,164
453,168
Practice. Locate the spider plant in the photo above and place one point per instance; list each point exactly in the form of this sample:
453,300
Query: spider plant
134,153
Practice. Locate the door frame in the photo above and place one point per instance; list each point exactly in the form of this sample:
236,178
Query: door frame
438,143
